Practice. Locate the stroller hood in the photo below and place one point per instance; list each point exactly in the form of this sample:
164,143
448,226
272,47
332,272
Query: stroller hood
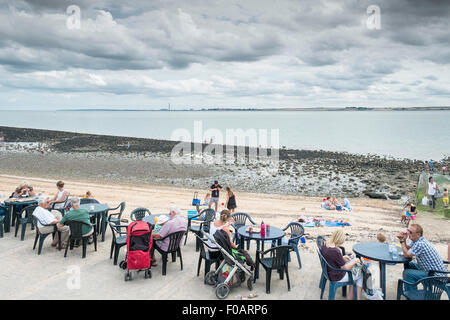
222,239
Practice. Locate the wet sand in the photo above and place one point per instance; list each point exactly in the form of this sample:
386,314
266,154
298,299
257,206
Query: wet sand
299,172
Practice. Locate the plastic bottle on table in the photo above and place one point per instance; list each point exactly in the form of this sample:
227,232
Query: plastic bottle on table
263,230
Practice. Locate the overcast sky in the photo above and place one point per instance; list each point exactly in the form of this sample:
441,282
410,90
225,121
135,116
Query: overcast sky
247,53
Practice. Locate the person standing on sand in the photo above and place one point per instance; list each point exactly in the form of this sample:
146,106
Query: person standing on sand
206,200
214,189
445,198
231,200
432,188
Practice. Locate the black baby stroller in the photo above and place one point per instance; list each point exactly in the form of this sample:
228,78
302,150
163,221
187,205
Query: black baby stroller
139,243
231,272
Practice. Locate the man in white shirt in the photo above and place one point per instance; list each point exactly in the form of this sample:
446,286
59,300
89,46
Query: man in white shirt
432,187
46,218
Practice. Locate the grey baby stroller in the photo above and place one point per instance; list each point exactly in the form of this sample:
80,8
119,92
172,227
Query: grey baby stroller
231,272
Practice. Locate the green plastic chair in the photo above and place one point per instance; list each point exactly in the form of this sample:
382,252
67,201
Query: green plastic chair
432,288
24,218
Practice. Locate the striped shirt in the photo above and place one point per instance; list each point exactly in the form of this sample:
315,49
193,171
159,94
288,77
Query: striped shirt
426,255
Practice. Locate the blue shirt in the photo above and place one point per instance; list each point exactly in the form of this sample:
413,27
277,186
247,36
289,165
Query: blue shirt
346,203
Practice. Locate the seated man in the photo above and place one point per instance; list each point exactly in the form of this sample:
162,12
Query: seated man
176,223
426,255
46,218
77,214
346,204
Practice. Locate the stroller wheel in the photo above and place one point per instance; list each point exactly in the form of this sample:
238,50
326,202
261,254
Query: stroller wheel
222,291
123,265
128,276
250,283
211,278
148,274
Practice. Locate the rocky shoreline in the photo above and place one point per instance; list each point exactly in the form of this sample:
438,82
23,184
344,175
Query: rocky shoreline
127,159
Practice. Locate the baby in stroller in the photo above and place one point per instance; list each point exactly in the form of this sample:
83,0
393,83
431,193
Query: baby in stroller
232,270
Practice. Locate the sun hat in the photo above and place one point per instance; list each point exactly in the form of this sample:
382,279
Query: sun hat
162,219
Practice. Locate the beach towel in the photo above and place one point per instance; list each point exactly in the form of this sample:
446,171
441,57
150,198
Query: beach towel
327,224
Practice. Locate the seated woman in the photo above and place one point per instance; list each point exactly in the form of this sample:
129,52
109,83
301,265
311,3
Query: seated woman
22,191
328,204
333,255
60,196
220,224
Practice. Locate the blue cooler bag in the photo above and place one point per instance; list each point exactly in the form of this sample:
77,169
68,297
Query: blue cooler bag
195,201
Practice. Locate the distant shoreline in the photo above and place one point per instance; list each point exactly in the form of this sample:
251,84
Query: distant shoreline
319,109
272,109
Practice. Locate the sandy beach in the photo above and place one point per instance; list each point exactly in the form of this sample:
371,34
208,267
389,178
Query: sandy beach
48,276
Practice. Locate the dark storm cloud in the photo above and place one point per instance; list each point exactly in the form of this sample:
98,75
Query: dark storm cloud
237,48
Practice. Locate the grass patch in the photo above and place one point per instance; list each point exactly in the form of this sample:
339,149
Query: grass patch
422,187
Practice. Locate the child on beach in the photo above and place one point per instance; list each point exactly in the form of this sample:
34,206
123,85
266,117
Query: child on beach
409,213
88,195
381,238
445,197
206,200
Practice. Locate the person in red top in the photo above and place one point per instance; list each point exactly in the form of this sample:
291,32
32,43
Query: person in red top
333,255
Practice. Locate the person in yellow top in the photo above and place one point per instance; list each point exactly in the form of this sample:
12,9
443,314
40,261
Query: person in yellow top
88,195
445,197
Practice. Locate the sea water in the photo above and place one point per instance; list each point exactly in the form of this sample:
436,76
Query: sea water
419,135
